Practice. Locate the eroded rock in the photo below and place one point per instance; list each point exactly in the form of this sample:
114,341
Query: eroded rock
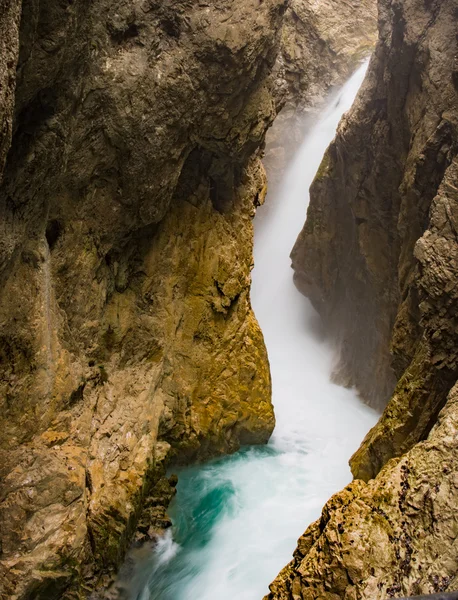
378,257
127,335
372,195
390,538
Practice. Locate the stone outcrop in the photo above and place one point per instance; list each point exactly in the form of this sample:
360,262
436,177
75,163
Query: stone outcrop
323,42
378,256
127,336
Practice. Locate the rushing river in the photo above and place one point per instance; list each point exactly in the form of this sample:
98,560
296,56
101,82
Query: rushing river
237,519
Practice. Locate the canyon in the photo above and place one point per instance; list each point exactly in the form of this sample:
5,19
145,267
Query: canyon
236,518
131,167
130,161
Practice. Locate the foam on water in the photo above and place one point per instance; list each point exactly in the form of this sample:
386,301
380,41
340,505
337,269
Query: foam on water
237,519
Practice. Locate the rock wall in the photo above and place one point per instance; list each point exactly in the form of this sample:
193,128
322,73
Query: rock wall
10,11
378,256
372,195
127,335
323,42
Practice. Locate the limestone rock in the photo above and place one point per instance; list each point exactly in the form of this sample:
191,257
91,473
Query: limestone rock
379,257
371,200
10,11
390,538
127,335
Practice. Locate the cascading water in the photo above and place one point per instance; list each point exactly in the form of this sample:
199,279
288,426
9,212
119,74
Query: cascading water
237,519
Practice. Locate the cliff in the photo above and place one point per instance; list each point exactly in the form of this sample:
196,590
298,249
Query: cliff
378,256
371,199
127,336
357,257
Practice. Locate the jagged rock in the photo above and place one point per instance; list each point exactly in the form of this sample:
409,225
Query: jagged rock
127,335
379,257
423,387
10,12
390,538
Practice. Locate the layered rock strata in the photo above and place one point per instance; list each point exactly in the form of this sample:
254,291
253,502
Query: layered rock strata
378,256
127,336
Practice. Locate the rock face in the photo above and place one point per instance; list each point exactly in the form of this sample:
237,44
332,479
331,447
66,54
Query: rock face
323,41
371,203
127,336
379,258
10,12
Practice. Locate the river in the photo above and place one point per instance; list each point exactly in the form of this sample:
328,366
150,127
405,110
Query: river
237,519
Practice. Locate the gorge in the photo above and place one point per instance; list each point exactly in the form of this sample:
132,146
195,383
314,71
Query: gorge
131,145
235,519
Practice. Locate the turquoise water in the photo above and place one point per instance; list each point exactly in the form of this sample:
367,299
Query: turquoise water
237,519
208,496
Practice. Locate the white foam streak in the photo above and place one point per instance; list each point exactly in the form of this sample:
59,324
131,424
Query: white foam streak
319,424
166,548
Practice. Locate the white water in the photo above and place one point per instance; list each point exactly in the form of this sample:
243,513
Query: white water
238,519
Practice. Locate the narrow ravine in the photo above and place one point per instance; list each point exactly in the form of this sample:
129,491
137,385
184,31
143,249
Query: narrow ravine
237,519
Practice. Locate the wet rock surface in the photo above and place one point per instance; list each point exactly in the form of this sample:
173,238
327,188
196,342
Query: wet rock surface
371,199
127,335
389,538
378,258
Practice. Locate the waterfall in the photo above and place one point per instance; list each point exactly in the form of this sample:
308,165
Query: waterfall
237,519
